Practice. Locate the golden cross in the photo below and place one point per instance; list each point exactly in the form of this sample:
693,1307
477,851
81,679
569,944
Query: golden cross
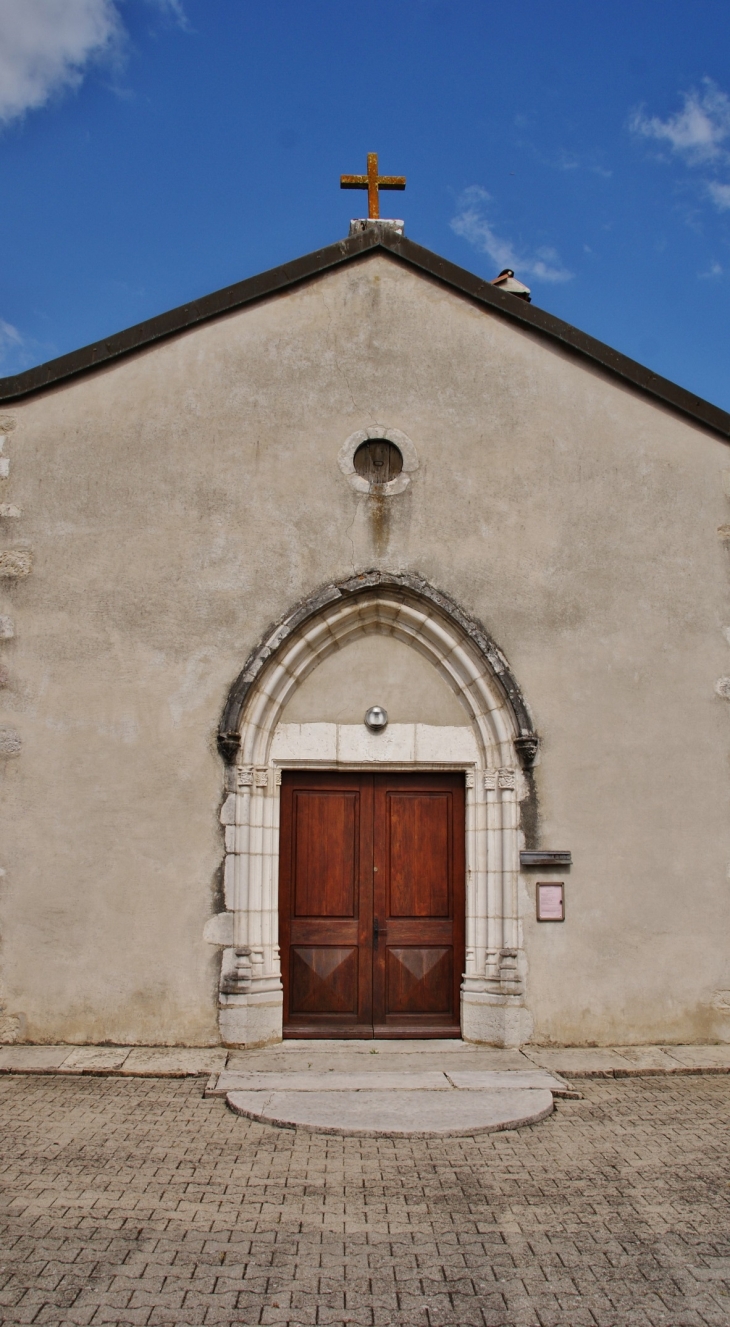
373,182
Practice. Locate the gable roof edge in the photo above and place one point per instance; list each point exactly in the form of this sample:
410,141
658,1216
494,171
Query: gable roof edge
278,279
571,338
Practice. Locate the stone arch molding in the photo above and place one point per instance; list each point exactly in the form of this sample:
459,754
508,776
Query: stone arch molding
501,745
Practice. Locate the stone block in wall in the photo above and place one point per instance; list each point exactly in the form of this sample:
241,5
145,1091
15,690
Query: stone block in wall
12,1029
10,742
218,930
15,562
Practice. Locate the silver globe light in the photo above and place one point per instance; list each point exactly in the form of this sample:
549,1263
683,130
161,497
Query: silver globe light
376,718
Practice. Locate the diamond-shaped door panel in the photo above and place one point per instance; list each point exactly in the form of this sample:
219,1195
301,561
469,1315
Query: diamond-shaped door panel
323,980
419,980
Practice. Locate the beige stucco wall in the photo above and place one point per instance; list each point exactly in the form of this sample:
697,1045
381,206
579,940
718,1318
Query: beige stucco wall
375,670
180,501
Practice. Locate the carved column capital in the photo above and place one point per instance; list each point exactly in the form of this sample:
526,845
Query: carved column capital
527,748
252,776
229,745
506,778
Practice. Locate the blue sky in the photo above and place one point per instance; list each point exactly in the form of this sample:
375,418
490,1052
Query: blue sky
154,150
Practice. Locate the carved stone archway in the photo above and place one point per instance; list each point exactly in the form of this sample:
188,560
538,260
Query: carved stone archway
503,743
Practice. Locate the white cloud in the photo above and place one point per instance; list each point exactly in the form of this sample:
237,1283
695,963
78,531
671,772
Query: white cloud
699,135
720,195
175,10
698,131
472,224
9,336
15,354
44,46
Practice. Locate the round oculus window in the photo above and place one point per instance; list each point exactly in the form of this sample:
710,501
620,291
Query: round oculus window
378,460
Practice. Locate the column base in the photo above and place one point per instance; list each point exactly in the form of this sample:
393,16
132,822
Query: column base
251,1020
495,1020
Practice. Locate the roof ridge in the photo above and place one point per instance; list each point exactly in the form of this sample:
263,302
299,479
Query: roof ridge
278,279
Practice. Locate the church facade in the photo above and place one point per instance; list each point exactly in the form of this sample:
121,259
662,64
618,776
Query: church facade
365,672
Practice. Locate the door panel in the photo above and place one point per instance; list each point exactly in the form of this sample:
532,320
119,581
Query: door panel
325,870
419,980
418,834
372,903
418,882
325,890
323,980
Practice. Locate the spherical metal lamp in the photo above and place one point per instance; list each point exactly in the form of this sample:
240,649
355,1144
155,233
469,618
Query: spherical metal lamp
376,718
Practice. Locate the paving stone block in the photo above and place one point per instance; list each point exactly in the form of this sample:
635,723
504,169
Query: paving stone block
174,1062
32,1059
701,1057
96,1059
305,1080
486,1079
571,1061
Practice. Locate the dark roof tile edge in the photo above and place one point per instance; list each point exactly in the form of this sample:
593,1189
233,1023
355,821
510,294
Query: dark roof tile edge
281,278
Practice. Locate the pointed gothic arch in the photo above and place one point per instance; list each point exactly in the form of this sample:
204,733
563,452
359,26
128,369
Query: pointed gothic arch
505,743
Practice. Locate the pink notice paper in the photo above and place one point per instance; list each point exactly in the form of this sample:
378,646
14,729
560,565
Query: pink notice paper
550,903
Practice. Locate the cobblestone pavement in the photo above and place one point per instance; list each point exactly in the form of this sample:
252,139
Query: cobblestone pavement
139,1202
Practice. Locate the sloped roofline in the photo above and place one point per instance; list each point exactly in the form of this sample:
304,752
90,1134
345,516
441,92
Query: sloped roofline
376,237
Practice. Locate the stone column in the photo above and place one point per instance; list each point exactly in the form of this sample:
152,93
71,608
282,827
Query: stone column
251,992
509,976
492,1002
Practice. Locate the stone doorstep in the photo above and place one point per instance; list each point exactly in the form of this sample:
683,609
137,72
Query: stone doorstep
396,1114
380,1082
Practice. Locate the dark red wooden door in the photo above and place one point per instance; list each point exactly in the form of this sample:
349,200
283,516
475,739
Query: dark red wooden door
372,904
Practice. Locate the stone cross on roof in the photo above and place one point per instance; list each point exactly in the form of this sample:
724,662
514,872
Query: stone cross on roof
373,183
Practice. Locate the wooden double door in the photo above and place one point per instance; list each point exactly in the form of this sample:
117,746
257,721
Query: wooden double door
372,904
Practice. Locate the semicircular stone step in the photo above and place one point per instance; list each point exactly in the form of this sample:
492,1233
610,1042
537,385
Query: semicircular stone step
396,1114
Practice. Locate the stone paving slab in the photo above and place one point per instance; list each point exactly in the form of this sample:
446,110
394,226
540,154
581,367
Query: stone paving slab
378,1056
96,1059
140,1061
175,1061
32,1059
486,1079
365,1057
701,1057
304,1080
397,1114
644,1060
595,1063
622,1061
